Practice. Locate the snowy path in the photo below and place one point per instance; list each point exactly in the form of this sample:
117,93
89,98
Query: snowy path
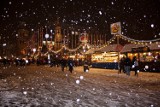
43,86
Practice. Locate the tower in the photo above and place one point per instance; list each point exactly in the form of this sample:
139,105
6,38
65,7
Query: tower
58,36
23,37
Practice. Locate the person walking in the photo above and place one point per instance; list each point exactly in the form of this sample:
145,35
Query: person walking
63,64
127,65
70,65
85,66
121,65
135,65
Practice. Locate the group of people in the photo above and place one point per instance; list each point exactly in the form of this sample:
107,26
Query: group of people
14,61
70,64
63,63
126,64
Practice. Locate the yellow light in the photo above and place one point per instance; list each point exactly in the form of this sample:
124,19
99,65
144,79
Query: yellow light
144,53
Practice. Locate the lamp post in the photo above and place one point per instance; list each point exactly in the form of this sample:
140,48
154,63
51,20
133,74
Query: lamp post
118,51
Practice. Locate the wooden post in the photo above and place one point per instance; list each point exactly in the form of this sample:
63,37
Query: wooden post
118,51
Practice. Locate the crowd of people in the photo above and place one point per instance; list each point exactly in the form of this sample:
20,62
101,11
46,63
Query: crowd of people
126,64
14,61
54,62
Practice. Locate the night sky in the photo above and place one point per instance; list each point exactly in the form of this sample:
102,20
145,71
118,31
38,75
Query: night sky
140,19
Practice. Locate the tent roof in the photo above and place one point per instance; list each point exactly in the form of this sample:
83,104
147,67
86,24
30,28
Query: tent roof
111,48
91,51
152,46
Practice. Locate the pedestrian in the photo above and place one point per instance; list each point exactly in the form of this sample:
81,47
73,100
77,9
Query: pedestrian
127,65
63,64
85,66
4,60
70,65
135,65
121,65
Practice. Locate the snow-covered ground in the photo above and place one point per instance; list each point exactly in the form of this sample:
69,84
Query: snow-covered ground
44,86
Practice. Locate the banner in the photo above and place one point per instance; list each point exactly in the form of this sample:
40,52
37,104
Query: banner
116,28
83,38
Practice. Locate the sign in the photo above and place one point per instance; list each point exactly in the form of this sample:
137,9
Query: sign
83,38
116,28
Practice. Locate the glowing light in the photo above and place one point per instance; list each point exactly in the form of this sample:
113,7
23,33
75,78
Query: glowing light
149,53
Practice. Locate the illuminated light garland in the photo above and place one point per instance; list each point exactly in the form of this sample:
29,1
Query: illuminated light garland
143,42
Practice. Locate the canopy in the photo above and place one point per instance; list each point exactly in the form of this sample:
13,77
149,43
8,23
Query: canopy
111,48
91,51
152,46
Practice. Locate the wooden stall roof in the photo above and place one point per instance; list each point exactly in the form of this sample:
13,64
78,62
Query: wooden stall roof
111,48
152,46
92,50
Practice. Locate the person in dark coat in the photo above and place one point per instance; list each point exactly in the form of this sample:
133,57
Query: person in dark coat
70,65
121,65
86,66
127,65
63,64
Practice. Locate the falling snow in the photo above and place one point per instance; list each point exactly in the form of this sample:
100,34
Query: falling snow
152,25
84,14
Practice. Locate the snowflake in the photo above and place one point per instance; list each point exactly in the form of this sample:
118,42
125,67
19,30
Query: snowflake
152,25
24,92
78,100
100,12
77,81
112,3
81,77
10,3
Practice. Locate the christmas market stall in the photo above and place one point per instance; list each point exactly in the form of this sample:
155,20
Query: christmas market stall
148,55
107,57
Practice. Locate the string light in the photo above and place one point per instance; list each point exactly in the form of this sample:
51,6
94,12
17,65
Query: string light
134,41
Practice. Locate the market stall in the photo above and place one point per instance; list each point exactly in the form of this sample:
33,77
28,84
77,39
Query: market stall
148,55
107,57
